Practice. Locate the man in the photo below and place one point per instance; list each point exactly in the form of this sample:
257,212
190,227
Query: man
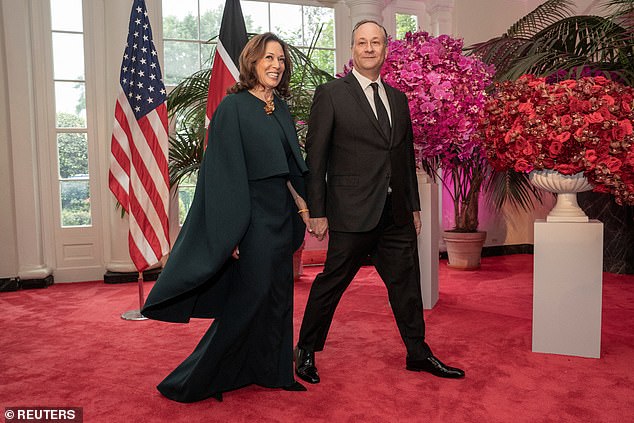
362,189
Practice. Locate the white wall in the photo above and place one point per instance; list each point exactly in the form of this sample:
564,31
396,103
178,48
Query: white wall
480,20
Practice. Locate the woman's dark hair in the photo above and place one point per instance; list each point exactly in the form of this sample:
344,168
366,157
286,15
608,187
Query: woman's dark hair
254,51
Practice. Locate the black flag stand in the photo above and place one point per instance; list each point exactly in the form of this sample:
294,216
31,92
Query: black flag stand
136,314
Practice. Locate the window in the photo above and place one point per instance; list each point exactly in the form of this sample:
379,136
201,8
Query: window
299,25
70,112
405,23
190,28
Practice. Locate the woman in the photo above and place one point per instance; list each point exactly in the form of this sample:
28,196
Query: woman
232,260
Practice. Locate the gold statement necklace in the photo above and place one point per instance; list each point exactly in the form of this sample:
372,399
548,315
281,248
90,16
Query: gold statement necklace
269,105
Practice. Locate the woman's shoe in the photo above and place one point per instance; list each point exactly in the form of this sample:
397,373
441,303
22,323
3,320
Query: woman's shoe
295,387
217,396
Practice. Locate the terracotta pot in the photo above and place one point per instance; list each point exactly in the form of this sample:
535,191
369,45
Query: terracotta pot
464,249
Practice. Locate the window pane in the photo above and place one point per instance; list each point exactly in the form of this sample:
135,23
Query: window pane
286,22
256,16
75,197
324,59
405,23
316,18
68,56
185,196
181,60
206,55
72,153
66,15
70,104
210,17
180,19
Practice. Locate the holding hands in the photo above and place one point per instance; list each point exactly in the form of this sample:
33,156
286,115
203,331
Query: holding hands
318,226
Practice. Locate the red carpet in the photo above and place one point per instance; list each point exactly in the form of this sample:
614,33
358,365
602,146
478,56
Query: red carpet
67,346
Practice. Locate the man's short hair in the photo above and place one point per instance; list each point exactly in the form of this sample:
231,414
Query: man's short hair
365,21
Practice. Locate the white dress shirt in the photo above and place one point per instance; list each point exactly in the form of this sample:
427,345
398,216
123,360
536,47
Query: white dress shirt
369,92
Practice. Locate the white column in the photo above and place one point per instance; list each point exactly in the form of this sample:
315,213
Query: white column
365,9
441,14
343,29
428,240
567,288
32,263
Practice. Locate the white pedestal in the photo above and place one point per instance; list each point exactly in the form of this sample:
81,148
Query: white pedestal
428,241
567,288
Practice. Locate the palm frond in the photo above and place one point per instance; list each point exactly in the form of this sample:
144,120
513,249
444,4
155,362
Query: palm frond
570,43
305,78
512,187
621,11
190,93
499,51
185,155
544,15
574,42
593,37
524,38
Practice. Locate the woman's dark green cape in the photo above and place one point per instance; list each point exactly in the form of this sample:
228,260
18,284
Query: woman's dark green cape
240,148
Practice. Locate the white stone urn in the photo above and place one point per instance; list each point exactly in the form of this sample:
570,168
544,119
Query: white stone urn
566,187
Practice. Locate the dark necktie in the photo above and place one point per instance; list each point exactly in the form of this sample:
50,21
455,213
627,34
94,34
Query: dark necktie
381,112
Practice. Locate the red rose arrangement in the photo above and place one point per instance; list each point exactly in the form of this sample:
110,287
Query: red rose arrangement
571,126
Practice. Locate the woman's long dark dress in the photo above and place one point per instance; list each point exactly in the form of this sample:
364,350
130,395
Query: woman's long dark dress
251,299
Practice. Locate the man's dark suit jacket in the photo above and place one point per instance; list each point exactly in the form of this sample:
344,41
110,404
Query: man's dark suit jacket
352,163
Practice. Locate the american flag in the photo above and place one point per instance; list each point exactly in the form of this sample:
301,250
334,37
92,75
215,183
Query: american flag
138,175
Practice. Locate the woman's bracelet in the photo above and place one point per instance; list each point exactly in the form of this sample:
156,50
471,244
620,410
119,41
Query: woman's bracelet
300,211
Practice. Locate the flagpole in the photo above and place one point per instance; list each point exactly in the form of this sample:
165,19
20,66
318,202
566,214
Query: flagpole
136,314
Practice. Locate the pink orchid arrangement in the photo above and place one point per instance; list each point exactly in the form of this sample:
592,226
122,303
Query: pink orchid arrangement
446,93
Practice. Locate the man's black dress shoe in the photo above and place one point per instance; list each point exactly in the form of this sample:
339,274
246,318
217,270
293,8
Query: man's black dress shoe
305,365
295,387
434,366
